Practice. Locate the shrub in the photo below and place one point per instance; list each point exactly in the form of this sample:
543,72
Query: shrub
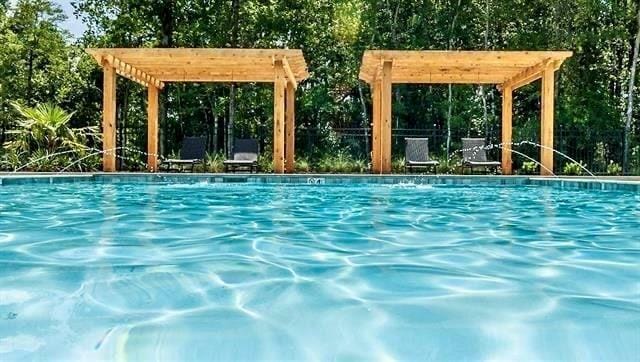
397,166
573,169
303,165
449,166
214,162
265,162
600,157
614,169
634,162
341,163
44,141
529,168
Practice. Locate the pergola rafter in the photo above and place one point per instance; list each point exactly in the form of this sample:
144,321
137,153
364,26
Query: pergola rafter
510,70
153,67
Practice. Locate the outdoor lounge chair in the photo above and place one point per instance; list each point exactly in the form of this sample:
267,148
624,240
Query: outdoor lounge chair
474,155
245,156
192,153
416,155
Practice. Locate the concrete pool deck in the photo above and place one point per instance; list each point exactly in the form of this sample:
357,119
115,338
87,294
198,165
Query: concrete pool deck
624,183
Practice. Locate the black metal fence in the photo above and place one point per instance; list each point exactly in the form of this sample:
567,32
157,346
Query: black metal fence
596,150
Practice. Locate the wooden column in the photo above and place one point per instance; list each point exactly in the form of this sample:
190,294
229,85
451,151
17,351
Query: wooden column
507,128
376,164
152,136
278,117
385,112
290,128
546,131
109,119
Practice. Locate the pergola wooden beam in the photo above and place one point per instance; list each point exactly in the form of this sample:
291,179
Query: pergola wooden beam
376,124
209,65
286,68
547,121
279,117
507,69
289,73
531,74
507,129
152,124
130,72
290,128
386,114
109,119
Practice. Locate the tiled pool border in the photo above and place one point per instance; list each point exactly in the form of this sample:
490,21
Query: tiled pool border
622,184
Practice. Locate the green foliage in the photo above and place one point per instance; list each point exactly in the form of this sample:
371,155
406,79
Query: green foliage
449,166
40,63
303,165
214,162
265,162
529,168
341,163
44,141
614,169
573,169
635,161
397,165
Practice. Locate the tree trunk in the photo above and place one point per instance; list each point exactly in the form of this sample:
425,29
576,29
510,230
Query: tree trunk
124,115
632,78
235,9
450,98
166,41
30,79
483,94
365,121
449,115
214,115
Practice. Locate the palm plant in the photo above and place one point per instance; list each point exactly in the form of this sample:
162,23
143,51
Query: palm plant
45,130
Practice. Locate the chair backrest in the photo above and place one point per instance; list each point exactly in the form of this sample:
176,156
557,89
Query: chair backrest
417,150
246,150
193,148
473,150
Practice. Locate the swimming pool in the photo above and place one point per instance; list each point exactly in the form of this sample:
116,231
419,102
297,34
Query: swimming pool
201,271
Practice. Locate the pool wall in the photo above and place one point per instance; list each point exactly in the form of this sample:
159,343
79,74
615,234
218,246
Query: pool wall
619,184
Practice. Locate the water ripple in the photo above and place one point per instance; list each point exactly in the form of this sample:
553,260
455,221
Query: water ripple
251,272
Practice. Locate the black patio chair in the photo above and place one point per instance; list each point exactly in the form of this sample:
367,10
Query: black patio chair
416,155
245,156
474,155
192,153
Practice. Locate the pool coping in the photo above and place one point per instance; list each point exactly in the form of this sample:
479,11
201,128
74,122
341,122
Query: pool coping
628,183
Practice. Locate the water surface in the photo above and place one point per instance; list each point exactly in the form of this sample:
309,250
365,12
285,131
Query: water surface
92,271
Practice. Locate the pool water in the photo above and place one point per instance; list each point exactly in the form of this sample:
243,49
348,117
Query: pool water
135,271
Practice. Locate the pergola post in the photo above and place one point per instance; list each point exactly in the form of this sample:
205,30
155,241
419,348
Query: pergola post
109,119
152,136
278,117
385,126
546,131
507,129
376,164
290,127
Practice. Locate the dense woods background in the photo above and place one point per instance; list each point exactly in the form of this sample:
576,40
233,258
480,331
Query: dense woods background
39,62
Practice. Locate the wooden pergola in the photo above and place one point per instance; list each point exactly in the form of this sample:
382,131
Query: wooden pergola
152,68
508,69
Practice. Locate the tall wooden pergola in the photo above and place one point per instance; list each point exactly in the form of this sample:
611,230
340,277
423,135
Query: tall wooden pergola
508,69
152,68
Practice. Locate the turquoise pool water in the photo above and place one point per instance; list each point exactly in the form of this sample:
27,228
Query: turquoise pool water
129,271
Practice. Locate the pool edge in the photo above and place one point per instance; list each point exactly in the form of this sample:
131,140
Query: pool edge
600,183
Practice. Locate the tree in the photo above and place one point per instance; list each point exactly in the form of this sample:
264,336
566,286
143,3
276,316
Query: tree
632,79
